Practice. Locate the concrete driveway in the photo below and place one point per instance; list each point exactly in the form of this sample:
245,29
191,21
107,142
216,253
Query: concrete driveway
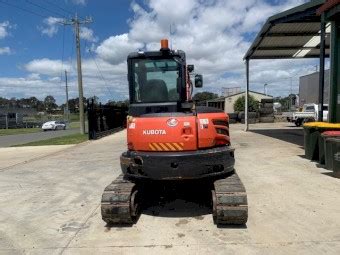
51,205
10,140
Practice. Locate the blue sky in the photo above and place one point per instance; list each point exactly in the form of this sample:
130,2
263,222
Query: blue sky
27,42
214,33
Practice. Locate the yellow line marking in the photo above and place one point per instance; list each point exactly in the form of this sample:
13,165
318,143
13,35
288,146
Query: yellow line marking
157,147
151,147
164,146
177,146
171,147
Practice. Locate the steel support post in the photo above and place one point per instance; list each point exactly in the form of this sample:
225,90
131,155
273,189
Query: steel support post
322,67
334,114
246,128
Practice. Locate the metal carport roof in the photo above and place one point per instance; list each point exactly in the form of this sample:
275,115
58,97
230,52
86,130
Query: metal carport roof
300,32
294,33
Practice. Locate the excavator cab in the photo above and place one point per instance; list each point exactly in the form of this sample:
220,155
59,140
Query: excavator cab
155,81
160,81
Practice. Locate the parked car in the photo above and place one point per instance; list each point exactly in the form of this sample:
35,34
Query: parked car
54,125
310,112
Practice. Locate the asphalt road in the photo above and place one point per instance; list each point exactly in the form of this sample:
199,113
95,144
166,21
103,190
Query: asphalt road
10,140
51,204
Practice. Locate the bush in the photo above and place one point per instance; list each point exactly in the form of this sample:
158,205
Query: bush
240,103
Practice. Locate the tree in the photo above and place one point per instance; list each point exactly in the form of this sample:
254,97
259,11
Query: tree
33,102
287,103
203,96
13,102
23,103
49,103
124,103
73,104
239,104
4,101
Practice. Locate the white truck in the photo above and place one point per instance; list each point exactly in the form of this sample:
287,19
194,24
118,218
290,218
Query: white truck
310,112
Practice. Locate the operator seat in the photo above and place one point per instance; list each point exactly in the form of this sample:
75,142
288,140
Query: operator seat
155,90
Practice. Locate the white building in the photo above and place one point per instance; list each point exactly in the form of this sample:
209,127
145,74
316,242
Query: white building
227,103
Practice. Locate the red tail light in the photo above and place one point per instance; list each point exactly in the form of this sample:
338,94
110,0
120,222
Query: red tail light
221,141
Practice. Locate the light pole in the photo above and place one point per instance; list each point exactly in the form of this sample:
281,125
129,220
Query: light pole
265,88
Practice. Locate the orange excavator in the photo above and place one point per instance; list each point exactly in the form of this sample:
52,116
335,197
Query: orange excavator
169,138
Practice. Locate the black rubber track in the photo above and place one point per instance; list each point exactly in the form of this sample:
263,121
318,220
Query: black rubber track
230,204
116,206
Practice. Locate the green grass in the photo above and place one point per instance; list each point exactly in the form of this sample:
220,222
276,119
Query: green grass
17,131
74,117
74,125
63,140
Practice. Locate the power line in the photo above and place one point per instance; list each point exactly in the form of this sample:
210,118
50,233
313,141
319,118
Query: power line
100,73
61,8
55,5
100,76
44,8
92,91
23,9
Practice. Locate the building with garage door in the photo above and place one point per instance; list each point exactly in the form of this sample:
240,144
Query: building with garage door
227,103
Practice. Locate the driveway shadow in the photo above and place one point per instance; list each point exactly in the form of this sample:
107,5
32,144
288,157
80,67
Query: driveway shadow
184,199
292,135
333,174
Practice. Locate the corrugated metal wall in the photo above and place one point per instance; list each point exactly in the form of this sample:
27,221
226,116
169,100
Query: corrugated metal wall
309,89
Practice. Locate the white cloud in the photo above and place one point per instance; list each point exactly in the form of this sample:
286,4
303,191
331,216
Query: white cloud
214,34
5,50
5,26
34,85
51,26
33,76
79,2
100,78
259,11
87,34
116,48
26,87
3,29
47,66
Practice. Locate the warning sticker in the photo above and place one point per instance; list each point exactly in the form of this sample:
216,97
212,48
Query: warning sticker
204,121
186,124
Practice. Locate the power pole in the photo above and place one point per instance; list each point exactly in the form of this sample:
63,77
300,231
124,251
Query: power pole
76,22
66,90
